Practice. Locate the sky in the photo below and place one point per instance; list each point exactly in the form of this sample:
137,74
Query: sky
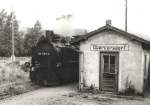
86,14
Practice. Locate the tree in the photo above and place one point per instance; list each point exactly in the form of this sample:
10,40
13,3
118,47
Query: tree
3,17
32,36
6,34
22,44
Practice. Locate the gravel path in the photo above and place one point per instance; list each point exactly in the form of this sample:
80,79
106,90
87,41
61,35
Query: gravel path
38,97
68,95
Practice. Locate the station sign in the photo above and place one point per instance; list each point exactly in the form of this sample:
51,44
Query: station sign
112,47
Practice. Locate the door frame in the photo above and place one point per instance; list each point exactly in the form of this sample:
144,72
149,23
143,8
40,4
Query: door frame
101,71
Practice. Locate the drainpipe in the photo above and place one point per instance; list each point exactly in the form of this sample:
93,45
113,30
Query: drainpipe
81,69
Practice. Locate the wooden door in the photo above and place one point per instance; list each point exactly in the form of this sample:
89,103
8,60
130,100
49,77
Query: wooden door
109,71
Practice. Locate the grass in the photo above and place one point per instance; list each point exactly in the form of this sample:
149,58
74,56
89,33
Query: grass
12,72
13,78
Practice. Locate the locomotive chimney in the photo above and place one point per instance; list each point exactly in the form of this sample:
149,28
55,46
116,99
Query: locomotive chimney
49,35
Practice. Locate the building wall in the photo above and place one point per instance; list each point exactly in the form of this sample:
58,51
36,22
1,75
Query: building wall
130,62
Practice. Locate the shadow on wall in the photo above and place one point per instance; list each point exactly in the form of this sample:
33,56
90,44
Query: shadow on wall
129,88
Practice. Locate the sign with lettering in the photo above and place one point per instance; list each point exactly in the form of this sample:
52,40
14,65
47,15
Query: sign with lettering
113,47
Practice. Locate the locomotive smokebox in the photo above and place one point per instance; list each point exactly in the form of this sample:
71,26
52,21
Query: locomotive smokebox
49,35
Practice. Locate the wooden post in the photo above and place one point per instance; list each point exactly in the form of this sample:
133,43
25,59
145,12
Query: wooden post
13,48
126,10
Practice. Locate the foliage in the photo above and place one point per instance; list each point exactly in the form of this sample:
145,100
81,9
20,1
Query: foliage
23,41
32,36
12,73
130,89
6,34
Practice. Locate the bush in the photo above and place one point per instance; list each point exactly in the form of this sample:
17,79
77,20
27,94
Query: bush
130,89
12,73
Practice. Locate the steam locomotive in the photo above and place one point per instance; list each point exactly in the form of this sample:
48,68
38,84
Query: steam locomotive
52,65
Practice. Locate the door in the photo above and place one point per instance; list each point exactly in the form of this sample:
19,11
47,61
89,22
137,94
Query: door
109,71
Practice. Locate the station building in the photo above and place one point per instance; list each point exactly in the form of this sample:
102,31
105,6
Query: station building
113,60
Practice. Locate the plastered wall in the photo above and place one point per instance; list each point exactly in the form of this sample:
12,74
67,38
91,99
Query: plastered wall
131,62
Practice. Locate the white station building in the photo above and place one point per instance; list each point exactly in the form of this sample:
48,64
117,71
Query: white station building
113,60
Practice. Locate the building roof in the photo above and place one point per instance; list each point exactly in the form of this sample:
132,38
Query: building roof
108,27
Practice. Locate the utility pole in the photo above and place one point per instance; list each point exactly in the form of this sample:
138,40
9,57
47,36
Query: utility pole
13,45
126,15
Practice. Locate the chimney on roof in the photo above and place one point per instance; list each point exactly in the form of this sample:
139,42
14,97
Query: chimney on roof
49,35
108,22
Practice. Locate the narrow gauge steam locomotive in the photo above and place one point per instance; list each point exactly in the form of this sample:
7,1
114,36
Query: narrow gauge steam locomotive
51,65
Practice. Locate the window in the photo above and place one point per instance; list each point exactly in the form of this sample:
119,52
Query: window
109,63
106,63
112,64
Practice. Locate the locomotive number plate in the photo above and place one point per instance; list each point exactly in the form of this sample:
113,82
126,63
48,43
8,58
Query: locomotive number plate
43,53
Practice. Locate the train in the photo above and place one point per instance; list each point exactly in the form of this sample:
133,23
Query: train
52,64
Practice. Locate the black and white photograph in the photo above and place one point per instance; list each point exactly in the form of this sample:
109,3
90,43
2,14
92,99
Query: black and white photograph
74,52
